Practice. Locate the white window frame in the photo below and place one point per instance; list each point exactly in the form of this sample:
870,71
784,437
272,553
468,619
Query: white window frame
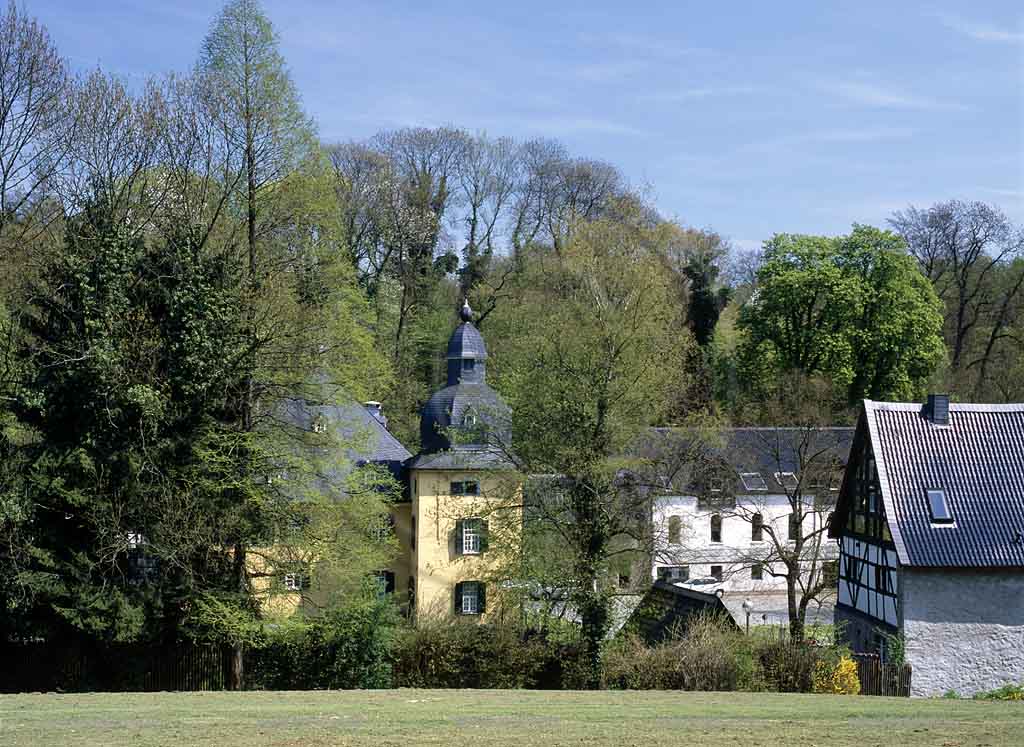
292,582
753,478
472,532
470,601
781,477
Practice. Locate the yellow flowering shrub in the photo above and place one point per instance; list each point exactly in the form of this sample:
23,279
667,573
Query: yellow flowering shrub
838,679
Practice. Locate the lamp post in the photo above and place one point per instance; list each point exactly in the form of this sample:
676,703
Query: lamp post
748,607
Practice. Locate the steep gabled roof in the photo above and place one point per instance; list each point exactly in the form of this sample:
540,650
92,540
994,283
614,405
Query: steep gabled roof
977,460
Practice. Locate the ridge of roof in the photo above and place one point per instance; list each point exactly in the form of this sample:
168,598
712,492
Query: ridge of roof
875,406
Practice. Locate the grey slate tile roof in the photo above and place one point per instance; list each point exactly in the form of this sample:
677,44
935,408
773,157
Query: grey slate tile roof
449,406
353,424
761,450
467,342
464,458
978,460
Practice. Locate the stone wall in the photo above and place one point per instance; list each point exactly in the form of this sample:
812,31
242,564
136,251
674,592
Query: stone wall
963,629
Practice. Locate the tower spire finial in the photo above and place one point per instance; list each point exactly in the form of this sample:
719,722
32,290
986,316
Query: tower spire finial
466,313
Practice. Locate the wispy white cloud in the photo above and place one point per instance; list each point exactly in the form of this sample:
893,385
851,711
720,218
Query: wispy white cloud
692,94
643,45
569,125
1010,194
980,31
608,72
830,136
881,96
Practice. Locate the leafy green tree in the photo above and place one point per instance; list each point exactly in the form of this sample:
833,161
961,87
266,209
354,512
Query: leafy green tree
588,353
852,308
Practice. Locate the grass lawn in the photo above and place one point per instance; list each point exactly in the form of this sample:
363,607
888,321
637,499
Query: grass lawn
501,717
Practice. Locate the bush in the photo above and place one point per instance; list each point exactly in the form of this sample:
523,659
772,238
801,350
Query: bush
443,653
790,667
1006,692
837,679
708,656
343,649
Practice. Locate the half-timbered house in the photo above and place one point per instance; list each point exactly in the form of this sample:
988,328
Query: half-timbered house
930,526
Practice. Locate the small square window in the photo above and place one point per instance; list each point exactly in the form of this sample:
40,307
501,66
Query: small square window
939,507
716,571
468,364
293,582
467,487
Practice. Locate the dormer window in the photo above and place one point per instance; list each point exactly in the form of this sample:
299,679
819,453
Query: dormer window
787,480
939,507
753,481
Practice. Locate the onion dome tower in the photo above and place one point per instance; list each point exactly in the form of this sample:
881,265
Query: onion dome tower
467,416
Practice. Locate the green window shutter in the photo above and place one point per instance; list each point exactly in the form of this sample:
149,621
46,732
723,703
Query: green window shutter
483,535
458,598
481,596
458,536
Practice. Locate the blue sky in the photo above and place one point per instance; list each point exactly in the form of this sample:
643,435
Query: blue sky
746,117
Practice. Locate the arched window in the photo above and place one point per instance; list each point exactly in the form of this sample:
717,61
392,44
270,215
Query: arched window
675,530
756,528
716,528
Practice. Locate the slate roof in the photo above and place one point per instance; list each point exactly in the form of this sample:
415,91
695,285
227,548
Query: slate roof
449,406
666,609
354,424
467,342
978,460
463,458
744,450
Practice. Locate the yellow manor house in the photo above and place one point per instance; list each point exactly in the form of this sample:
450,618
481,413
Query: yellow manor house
452,489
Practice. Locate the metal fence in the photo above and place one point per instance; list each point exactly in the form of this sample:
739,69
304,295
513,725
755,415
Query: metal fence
882,678
46,667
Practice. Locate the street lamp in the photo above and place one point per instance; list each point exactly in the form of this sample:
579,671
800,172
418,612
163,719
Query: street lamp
748,607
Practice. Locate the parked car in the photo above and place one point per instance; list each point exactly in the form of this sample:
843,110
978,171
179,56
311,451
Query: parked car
705,585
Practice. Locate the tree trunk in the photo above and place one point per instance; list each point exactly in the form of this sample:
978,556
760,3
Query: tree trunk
238,650
594,625
796,618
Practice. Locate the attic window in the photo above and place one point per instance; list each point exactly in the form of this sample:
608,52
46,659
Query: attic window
753,481
786,479
939,507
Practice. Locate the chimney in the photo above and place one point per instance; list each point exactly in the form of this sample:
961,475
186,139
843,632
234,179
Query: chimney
938,409
374,408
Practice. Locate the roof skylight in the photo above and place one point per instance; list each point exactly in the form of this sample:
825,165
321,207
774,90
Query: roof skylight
753,481
786,479
939,507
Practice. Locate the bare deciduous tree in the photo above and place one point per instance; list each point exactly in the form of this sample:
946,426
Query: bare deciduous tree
970,252
35,125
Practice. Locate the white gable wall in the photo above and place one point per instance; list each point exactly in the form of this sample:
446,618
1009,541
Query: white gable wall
963,628
697,551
